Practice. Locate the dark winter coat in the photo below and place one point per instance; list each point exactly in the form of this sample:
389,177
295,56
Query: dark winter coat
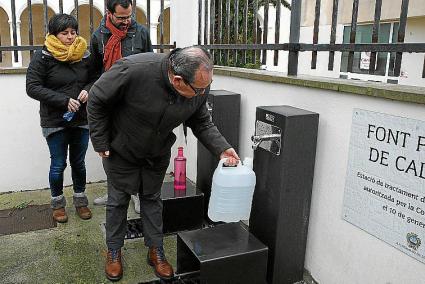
53,83
137,41
133,109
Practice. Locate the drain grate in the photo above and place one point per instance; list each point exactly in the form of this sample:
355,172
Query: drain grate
134,229
30,218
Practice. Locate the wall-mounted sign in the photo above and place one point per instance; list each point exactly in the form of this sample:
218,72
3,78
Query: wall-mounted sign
385,183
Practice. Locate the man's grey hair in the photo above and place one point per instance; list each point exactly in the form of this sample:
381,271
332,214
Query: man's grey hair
186,61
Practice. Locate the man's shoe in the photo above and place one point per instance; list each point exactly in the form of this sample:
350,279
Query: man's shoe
136,202
101,200
83,212
156,258
60,215
113,268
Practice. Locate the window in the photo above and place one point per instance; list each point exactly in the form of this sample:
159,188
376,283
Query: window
385,61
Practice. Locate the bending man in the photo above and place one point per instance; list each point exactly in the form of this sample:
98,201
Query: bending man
132,111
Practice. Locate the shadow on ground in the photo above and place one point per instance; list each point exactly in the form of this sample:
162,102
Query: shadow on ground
73,252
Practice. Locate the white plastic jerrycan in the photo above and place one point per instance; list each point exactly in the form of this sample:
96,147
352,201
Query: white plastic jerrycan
231,193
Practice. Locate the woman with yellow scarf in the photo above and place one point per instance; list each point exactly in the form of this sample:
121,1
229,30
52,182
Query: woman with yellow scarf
58,77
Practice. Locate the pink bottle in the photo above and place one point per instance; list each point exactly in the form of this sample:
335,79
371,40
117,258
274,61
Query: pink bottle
180,170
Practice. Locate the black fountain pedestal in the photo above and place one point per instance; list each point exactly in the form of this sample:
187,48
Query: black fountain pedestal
226,253
183,209
281,203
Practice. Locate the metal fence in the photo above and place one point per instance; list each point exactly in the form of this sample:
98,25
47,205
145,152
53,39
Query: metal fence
219,24
247,43
31,47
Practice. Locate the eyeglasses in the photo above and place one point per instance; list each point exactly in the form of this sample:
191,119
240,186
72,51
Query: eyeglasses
198,91
122,18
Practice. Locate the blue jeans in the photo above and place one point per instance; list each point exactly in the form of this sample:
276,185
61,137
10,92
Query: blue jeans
77,140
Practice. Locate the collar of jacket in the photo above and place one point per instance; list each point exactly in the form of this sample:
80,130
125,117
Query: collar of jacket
164,67
131,29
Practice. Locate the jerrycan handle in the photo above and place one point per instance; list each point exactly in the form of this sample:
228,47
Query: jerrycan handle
222,161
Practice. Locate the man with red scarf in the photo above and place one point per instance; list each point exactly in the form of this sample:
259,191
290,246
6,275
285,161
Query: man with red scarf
117,36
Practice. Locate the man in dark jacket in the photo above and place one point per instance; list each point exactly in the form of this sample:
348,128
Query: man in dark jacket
117,36
132,111
118,24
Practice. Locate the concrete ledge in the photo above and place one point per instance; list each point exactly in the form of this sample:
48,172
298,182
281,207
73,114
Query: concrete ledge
411,94
401,93
11,70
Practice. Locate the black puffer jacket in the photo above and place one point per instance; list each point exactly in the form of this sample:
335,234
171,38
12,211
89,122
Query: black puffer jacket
137,41
53,82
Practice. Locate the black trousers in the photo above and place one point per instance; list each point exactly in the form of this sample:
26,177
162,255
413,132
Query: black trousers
124,179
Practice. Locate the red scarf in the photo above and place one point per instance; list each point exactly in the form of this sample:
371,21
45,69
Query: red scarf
113,46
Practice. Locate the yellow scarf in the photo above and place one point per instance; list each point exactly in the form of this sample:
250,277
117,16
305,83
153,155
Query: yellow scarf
72,53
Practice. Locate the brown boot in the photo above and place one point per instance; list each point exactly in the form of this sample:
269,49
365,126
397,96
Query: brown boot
83,212
156,258
113,268
60,215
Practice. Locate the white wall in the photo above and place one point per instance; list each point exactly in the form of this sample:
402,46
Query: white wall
24,153
337,252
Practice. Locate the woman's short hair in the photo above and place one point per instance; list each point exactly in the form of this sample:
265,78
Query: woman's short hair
60,22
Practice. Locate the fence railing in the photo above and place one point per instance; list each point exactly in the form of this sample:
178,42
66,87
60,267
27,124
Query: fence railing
226,39
15,47
243,40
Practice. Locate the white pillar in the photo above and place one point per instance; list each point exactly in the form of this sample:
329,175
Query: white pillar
154,32
184,22
18,42
184,31
271,36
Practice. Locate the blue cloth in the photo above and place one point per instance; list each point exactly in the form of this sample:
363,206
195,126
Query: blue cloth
75,139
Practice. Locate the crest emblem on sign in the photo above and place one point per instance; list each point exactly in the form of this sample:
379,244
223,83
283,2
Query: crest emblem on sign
413,241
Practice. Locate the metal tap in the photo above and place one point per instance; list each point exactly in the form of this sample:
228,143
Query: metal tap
257,139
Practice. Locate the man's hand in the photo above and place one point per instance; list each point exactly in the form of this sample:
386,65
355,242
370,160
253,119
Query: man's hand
83,96
232,157
104,154
73,105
